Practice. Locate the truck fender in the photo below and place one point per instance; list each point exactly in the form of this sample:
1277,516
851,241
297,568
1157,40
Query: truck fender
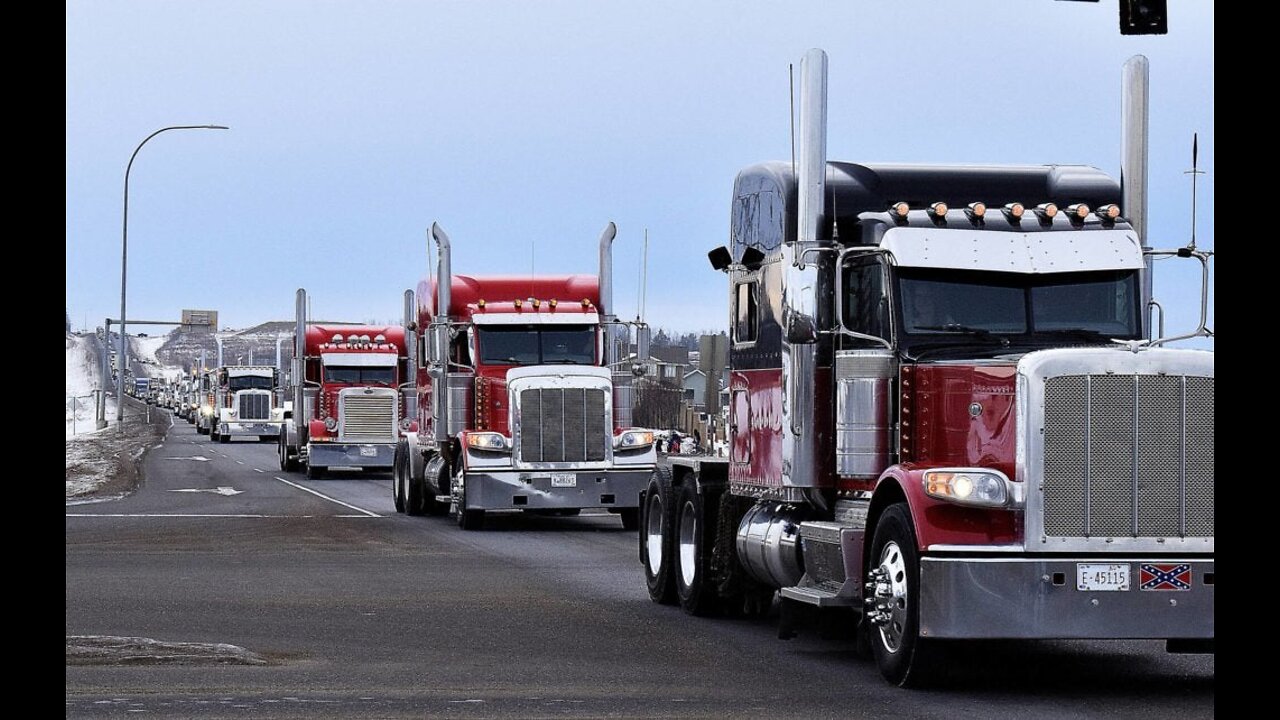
417,456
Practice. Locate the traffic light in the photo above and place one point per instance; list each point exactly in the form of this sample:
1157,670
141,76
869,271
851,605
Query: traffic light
1144,17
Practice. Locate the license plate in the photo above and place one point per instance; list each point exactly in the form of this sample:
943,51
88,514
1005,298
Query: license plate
1102,577
368,452
564,480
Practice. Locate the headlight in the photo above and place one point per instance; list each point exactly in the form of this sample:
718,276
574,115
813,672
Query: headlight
968,486
492,441
634,438
330,424
405,424
206,410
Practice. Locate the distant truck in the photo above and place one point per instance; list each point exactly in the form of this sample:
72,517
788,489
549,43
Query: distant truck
141,387
523,402
203,398
348,410
244,403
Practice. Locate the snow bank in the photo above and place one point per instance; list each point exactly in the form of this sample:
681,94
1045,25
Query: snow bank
83,377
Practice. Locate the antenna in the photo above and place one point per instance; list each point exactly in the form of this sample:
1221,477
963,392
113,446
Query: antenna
533,248
1195,172
791,79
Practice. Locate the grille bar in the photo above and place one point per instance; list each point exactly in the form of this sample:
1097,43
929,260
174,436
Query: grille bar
253,406
368,418
1128,456
563,425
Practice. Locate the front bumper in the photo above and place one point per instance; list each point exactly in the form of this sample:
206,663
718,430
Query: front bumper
1036,598
337,454
532,490
254,429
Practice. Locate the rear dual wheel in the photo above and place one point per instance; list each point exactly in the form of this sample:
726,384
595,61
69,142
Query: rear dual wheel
656,521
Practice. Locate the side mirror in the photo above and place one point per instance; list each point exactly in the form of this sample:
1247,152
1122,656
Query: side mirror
720,258
642,345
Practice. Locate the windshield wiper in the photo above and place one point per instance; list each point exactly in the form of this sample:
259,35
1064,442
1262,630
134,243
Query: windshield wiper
970,330
1084,333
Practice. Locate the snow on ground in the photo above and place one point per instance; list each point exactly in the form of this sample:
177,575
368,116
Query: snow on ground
146,347
83,377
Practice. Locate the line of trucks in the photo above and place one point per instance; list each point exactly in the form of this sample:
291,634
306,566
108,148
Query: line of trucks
953,412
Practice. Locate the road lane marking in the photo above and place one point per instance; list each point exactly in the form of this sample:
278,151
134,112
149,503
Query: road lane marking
205,515
220,490
239,462
326,497
259,470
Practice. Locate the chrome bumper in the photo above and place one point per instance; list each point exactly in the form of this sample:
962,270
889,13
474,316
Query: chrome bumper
325,454
525,490
249,429
1034,598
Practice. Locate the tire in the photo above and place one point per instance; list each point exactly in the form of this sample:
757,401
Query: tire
691,552
656,521
903,657
415,497
630,519
468,519
288,463
399,466
224,439
314,472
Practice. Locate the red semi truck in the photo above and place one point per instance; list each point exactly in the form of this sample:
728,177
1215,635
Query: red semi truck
950,415
523,397
346,387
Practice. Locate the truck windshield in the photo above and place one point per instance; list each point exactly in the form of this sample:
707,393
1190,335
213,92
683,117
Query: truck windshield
250,382
538,345
359,375
1092,306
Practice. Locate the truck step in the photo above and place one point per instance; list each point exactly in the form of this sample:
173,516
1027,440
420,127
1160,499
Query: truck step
818,596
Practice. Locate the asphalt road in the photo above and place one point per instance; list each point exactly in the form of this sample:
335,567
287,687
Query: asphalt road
365,613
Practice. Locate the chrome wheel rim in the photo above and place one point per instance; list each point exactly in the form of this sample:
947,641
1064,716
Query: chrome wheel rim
688,543
894,567
653,535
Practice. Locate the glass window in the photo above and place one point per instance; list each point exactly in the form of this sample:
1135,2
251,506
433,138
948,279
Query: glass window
865,306
536,345
746,316
359,375
250,382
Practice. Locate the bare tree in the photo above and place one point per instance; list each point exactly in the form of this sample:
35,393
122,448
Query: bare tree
658,404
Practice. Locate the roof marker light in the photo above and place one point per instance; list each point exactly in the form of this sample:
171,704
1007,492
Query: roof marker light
519,303
1079,211
899,210
1046,211
1013,211
938,210
1109,212
552,303
336,339
536,303
353,339
586,303
976,210
380,339
480,303
364,339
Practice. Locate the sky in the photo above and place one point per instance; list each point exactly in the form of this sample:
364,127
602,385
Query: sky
524,127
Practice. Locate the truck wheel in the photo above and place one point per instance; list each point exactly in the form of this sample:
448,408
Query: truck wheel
655,537
630,519
415,500
314,472
893,575
224,439
694,532
468,519
213,434
288,463
398,465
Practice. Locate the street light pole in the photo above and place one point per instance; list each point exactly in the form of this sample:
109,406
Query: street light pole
124,258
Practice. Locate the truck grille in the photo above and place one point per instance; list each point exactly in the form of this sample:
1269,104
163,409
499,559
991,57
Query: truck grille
563,425
367,417
253,405
1128,456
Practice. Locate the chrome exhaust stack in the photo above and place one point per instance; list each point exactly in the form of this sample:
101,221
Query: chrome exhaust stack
607,314
440,339
1135,115
802,319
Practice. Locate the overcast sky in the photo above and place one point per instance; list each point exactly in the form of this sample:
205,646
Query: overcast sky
524,127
